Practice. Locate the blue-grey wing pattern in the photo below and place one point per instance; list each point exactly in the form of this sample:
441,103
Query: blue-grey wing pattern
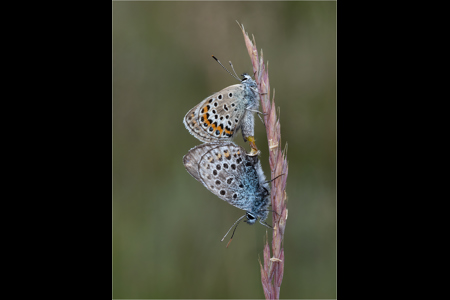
228,172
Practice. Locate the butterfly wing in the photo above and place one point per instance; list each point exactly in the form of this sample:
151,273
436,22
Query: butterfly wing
218,117
226,171
192,158
191,122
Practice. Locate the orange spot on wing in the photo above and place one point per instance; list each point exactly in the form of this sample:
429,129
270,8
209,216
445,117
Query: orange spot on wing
204,109
219,128
206,120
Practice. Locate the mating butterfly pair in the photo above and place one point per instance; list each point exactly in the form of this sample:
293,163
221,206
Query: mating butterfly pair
223,167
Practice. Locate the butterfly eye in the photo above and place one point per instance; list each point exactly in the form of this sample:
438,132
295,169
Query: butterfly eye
250,216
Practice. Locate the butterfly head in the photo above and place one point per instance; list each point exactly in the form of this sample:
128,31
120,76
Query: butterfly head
251,218
245,77
247,80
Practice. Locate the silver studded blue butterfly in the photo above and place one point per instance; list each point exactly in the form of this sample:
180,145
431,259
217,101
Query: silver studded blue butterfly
220,116
235,177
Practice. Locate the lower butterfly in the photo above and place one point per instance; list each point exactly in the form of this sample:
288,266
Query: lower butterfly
235,177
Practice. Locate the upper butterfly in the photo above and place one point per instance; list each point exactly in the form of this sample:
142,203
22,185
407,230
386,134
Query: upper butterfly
219,117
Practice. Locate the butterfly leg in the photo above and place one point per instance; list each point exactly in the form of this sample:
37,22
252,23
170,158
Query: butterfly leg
259,114
265,224
256,111
262,120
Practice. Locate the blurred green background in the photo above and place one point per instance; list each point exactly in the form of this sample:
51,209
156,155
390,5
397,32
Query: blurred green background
166,226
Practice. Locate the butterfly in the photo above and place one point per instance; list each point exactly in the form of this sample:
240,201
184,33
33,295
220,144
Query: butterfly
235,177
220,116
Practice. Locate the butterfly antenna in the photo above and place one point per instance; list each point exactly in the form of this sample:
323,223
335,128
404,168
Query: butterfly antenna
225,68
232,235
233,69
235,223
